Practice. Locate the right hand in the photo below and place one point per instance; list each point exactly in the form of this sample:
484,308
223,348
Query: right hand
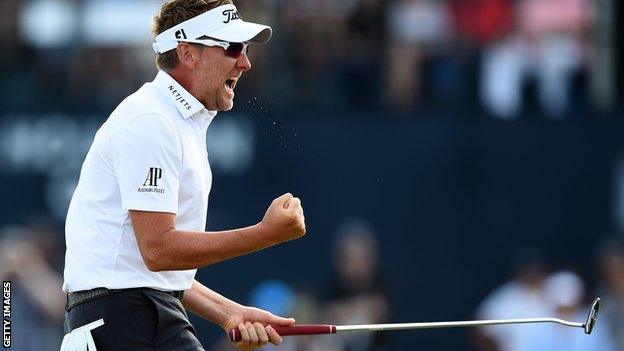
284,219
255,326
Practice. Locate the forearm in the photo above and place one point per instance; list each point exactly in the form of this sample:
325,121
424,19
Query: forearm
208,304
180,250
166,248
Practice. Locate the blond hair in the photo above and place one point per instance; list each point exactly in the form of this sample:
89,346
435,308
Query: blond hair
174,12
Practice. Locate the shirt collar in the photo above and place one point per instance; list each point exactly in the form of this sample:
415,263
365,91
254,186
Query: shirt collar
186,103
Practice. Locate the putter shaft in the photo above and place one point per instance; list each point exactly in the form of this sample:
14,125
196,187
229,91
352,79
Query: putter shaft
458,324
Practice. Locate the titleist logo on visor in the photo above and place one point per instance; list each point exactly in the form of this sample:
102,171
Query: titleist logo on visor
231,15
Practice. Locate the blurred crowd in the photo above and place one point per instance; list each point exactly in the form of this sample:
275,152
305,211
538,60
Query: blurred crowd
355,293
498,56
502,57
536,291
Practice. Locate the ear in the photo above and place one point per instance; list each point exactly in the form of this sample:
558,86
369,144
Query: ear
188,56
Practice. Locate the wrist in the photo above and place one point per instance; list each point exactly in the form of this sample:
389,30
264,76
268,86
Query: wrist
209,304
231,313
265,235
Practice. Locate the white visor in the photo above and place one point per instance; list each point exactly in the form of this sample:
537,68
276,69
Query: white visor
221,23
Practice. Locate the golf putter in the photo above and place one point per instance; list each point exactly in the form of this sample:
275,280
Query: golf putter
315,329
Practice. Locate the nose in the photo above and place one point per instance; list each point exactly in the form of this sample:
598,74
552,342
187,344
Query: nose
243,62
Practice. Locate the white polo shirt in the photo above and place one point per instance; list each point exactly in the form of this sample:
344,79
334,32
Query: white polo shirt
150,155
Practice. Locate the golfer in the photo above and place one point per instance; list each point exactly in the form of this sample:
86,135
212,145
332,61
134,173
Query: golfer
135,227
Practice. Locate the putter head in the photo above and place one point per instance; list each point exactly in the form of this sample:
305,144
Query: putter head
590,323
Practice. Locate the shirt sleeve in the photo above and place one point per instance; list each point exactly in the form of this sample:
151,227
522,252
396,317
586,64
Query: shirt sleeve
147,157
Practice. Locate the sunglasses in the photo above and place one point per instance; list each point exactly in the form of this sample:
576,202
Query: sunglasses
233,50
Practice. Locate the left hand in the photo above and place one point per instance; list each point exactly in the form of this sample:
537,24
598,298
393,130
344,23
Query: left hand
255,327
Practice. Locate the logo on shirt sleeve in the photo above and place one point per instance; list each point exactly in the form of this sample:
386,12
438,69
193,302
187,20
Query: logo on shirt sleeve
151,181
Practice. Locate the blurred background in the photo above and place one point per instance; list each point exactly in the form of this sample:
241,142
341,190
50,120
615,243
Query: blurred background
456,159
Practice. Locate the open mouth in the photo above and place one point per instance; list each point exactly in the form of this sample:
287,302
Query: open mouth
230,83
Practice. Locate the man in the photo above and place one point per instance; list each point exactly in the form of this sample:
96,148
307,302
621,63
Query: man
134,229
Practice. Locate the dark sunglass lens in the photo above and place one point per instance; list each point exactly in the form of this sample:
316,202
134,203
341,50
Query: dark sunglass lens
235,50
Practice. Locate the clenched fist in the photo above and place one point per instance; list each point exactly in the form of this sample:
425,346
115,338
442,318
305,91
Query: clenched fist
284,219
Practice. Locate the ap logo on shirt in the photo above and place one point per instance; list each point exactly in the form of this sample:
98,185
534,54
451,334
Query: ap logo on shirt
151,181
152,177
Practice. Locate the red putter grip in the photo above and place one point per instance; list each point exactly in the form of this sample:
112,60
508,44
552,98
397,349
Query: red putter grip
303,329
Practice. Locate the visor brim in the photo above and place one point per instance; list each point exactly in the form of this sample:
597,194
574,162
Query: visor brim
242,32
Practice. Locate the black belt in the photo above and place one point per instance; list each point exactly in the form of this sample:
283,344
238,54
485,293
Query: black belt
79,297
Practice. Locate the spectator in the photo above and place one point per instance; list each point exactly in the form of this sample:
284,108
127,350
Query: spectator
357,295
548,46
360,52
521,297
482,22
565,290
417,29
478,25
309,55
37,299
